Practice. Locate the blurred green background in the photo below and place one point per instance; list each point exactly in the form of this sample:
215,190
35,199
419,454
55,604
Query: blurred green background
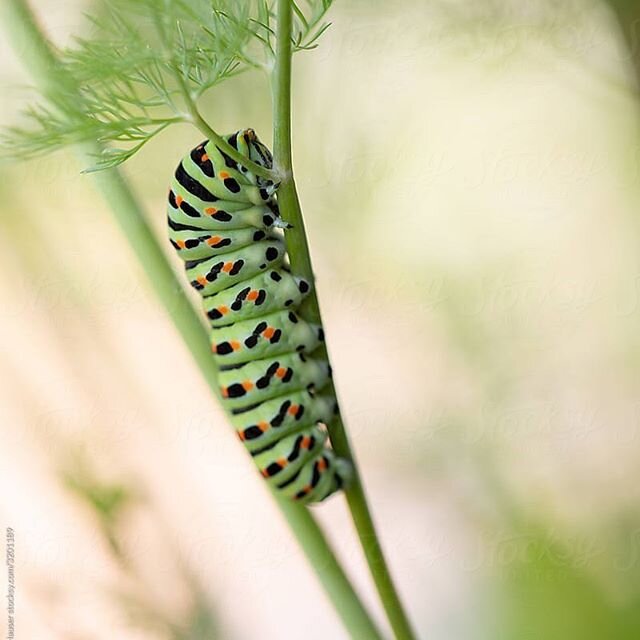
469,175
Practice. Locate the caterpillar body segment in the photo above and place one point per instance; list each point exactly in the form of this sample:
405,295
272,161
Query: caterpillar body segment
261,380
285,458
222,216
221,271
266,292
225,225
273,334
207,244
267,422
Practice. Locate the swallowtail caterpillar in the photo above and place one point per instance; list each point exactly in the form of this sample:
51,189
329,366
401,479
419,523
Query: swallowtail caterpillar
225,224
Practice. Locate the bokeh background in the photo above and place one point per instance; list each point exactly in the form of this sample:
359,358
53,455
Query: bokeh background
469,175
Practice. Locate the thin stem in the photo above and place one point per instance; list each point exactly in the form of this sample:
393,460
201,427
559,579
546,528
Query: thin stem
39,57
337,586
281,91
222,144
299,257
300,15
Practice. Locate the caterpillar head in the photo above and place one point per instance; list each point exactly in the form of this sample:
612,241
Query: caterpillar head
250,145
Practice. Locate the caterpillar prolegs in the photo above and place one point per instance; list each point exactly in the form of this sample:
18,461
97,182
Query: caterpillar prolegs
225,224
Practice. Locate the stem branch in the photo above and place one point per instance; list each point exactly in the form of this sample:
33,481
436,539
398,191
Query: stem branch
221,143
300,259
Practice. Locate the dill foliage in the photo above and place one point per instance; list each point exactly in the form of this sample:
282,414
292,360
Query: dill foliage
144,66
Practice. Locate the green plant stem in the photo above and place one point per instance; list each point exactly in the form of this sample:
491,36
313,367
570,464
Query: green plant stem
300,260
38,55
222,144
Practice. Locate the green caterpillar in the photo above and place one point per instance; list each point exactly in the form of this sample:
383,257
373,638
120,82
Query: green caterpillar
225,224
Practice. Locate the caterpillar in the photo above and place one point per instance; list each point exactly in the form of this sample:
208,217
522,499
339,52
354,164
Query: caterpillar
225,224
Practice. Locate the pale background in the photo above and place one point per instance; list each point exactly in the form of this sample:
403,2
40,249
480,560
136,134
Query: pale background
470,185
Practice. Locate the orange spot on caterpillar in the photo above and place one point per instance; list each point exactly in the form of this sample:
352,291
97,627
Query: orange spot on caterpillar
223,310
282,462
179,200
252,295
202,280
210,211
241,435
264,472
263,426
306,442
280,372
235,345
322,464
181,243
225,392
268,333
247,385
205,157
213,240
293,409
224,175
227,267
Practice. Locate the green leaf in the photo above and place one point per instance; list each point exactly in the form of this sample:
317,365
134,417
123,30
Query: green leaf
143,67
